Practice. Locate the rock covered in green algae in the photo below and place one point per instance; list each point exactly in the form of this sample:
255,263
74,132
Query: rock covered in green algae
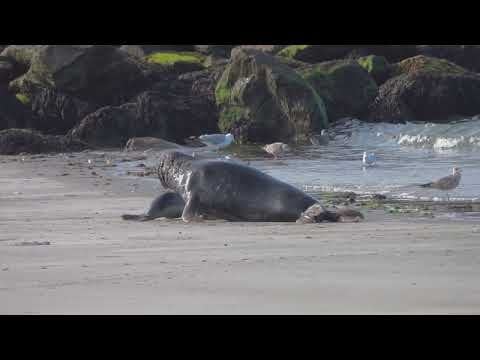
377,66
346,87
315,53
177,62
263,100
100,74
141,51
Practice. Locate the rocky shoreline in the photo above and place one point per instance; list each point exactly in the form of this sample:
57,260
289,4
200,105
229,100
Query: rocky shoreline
70,97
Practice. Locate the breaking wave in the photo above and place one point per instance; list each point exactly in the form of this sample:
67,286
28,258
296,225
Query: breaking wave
464,134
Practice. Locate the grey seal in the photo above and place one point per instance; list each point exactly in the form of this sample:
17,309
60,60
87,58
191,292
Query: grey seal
236,192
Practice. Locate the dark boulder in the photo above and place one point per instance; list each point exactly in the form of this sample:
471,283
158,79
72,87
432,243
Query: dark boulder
8,70
170,116
377,66
346,88
222,51
13,113
202,83
392,53
467,56
56,112
175,117
270,49
427,89
319,53
16,141
316,53
110,126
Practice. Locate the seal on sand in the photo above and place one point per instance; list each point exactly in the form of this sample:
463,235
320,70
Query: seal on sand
232,191
169,205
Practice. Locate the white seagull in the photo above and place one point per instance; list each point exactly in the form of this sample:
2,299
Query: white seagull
220,141
369,159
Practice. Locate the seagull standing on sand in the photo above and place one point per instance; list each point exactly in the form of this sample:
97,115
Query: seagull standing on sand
369,159
218,140
276,149
446,183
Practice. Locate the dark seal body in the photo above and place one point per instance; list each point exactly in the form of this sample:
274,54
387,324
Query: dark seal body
230,191
216,189
169,205
236,192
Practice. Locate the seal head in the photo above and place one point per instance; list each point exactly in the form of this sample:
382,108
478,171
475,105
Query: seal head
174,169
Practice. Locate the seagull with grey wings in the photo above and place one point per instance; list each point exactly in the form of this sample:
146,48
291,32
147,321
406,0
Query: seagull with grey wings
446,183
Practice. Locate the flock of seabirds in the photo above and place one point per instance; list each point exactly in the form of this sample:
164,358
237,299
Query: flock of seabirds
205,189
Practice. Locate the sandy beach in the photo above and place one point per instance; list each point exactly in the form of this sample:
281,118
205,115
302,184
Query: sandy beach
65,250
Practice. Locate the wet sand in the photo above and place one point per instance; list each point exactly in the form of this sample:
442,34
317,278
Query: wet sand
65,250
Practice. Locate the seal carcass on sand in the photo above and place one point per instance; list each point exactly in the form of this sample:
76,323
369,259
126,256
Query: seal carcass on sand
232,191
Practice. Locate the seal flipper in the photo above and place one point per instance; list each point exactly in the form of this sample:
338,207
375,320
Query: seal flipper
168,205
141,217
191,210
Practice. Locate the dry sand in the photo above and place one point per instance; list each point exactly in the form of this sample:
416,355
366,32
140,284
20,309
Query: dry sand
65,250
